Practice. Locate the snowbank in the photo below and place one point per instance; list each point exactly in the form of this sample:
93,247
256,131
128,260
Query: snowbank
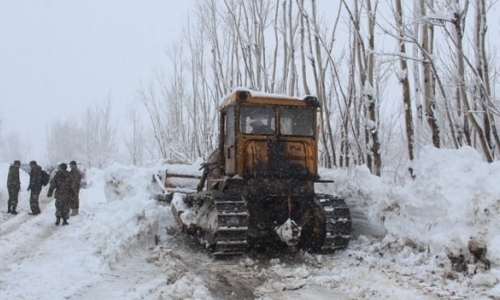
454,197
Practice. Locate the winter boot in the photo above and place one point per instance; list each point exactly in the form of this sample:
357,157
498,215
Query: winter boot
13,210
8,211
58,220
65,222
74,212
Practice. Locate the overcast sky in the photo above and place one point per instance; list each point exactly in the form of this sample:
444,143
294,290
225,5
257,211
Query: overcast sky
58,57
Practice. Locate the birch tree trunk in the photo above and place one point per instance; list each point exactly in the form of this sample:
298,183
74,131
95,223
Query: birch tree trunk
320,46
136,141
484,86
418,75
370,97
405,85
429,86
366,66
458,22
316,70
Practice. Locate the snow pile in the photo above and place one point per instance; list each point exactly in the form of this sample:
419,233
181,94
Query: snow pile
187,215
455,197
126,182
178,176
179,282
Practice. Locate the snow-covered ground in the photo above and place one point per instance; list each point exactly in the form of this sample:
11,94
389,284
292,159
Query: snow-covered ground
409,242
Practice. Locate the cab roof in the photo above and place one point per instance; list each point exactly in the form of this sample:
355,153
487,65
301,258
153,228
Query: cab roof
240,96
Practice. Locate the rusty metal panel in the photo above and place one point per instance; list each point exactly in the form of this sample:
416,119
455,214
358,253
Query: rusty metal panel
296,153
278,159
255,158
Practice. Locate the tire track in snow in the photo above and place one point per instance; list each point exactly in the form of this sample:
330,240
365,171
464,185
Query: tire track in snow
134,278
230,278
33,231
10,223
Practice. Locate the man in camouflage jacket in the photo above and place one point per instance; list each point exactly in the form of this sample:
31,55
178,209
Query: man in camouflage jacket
13,186
35,187
76,176
63,184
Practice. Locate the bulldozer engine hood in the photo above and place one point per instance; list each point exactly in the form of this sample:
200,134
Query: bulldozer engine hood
278,159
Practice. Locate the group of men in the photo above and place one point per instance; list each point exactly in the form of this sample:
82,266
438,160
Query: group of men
65,183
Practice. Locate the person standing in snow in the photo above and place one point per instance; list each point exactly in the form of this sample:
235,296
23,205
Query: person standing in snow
35,187
63,184
76,176
13,186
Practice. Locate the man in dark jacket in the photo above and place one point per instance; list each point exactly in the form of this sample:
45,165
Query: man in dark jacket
76,176
35,187
13,186
63,184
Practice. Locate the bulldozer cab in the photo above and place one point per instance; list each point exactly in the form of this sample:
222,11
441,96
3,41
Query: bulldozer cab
268,136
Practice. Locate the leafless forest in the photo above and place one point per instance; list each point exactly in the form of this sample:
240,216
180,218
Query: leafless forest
391,76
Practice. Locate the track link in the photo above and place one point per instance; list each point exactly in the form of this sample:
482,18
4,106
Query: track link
232,216
338,222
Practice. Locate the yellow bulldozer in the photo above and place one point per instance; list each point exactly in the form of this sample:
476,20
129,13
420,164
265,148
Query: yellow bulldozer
257,188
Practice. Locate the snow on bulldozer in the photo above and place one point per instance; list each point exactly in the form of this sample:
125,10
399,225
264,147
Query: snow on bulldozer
257,188
174,176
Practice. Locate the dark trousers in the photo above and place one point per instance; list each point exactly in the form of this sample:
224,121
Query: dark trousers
62,207
35,208
13,197
75,200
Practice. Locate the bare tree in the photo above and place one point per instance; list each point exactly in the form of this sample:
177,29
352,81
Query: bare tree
427,47
318,69
405,84
458,30
100,135
483,88
65,141
371,100
364,59
136,141
16,147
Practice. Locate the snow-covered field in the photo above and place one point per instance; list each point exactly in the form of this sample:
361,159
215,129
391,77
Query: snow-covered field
409,242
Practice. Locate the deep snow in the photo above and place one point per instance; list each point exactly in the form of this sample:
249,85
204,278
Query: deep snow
125,245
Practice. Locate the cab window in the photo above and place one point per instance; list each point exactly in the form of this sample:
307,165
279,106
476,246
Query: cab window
297,121
257,120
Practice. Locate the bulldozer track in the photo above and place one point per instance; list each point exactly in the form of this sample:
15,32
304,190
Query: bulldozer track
338,222
232,218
